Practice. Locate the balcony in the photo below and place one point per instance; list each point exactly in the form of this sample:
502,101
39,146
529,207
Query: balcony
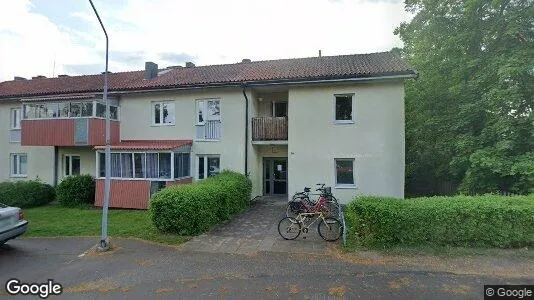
67,132
269,130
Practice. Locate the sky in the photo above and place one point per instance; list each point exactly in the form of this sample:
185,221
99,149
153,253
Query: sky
53,37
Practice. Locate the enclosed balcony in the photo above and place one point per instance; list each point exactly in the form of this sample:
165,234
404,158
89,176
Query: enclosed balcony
67,123
269,129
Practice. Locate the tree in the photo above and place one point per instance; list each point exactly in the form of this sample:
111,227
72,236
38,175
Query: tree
469,116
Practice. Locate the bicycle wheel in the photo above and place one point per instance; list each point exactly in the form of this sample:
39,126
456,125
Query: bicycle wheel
330,229
289,228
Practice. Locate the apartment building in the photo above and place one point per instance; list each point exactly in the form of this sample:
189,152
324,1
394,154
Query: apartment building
287,123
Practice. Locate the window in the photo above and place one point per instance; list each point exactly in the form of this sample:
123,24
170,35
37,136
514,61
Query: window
162,113
138,165
19,163
279,109
15,118
66,110
208,119
208,165
72,165
75,110
208,110
101,111
343,109
344,171
181,165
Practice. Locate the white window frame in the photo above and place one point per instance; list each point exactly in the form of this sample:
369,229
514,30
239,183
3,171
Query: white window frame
206,157
153,113
353,104
16,157
203,103
172,178
69,157
13,114
345,185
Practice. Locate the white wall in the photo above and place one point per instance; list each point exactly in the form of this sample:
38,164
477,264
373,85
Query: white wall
136,123
40,159
375,140
87,160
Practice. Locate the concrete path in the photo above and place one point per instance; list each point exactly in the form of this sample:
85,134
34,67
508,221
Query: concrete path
256,230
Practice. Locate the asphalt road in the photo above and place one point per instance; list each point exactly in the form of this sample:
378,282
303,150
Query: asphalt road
140,270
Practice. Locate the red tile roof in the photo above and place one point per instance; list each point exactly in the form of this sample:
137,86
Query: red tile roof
148,145
282,70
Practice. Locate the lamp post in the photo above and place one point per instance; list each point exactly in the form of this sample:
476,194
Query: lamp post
104,243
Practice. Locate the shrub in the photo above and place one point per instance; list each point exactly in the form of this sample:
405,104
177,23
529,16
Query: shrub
194,208
76,190
480,221
26,193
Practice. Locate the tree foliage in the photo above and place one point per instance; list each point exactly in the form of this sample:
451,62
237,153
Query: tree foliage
469,115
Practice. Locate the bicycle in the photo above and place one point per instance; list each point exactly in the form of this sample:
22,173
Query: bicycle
329,228
300,202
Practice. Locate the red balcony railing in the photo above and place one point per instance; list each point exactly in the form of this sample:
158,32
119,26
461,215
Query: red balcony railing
67,132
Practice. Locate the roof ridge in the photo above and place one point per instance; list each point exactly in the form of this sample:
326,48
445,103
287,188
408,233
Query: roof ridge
285,59
212,65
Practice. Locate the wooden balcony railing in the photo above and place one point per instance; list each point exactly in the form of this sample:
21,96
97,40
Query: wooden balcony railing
269,129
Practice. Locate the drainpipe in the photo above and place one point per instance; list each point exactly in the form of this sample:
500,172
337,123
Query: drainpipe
246,129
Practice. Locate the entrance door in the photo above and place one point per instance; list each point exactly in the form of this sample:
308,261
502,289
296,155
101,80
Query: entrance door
275,176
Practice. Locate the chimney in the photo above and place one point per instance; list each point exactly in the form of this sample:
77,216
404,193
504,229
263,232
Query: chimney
18,78
151,70
62,76
246,60
320,53
38,77
189,64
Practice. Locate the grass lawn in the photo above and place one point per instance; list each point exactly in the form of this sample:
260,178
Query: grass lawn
55,220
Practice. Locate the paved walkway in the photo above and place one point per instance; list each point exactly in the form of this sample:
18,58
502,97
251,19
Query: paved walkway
256,230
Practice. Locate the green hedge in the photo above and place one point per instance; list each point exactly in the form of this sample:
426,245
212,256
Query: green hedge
76,190
470,221
26,193
194,208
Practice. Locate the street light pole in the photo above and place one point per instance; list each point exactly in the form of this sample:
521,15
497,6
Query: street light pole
104,243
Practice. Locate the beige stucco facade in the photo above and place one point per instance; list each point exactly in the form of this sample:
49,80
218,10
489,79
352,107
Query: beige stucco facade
136,123
375,140
40,163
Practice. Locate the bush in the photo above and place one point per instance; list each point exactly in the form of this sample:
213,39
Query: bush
76,190
480,221
26,193
194,208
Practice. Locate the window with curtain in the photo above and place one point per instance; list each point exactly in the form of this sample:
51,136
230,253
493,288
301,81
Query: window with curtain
126,165
145,165
182,165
